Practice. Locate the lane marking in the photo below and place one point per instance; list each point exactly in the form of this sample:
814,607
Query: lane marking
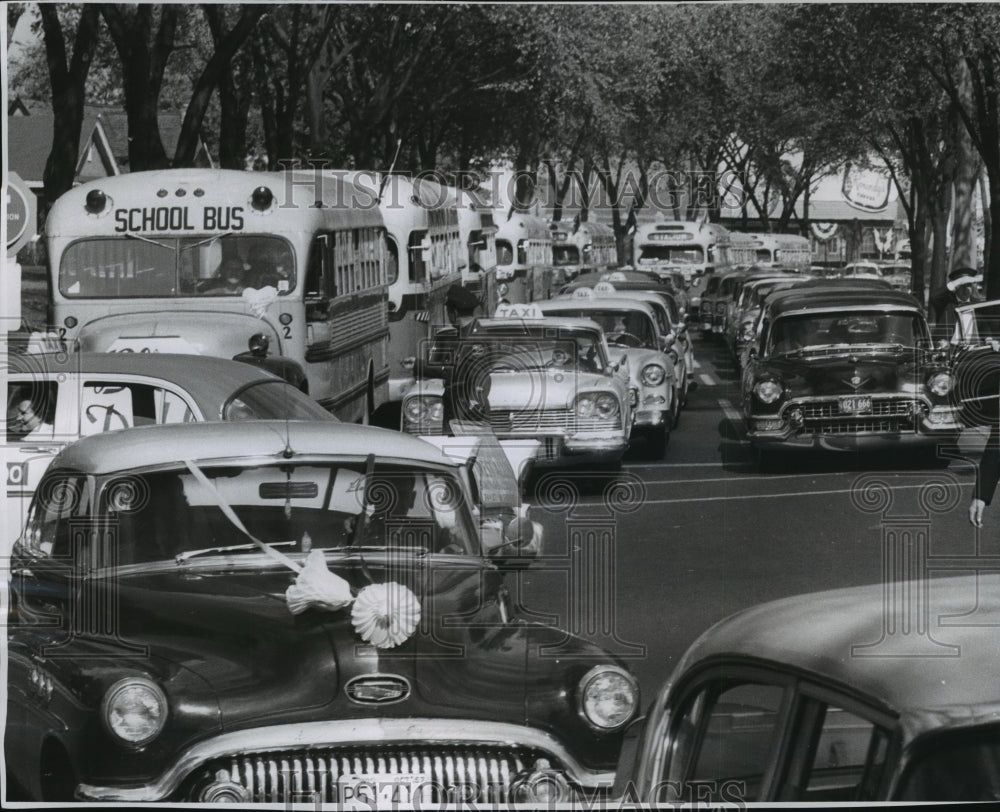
706,379
777,495
696,365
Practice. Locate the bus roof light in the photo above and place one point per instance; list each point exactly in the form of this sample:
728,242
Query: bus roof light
262,198
199,192
181,192
96,201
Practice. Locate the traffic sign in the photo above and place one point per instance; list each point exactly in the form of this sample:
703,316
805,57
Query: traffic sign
21,213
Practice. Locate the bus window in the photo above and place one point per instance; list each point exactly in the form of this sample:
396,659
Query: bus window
522,252
317,280
505,254
418,265
118,268
392,260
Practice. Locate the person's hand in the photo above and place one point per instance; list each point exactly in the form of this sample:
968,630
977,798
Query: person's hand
976,512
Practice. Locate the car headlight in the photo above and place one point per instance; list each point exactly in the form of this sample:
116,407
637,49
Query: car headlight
608,697
606,406
940,383
134,710
585,406
767,391
653,374
424,408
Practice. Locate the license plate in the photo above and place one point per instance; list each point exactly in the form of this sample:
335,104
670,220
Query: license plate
856,404
377,790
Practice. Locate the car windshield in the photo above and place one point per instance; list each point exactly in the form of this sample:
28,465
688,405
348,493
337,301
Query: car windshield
220,265
518,353
845,329
679,255
272,400
175,516
625,328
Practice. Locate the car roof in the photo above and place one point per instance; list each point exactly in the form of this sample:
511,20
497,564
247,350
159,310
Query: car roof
210,381
613,301
592,278
841,636
525,325
152,446
801,298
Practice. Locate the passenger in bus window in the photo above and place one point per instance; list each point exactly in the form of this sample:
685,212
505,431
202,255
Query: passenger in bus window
228,279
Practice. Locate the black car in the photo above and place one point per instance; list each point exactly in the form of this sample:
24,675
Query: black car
291,612
844,367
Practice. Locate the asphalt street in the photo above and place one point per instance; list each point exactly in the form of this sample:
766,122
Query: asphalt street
643,568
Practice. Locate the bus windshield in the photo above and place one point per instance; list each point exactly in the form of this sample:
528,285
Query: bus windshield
134,267
687,255
565,255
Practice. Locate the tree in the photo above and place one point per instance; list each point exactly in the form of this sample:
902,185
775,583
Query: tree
68,75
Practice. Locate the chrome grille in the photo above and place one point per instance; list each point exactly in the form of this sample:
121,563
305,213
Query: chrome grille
542,420
452,772
860,425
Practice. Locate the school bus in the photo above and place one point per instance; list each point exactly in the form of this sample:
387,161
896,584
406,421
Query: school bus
581,247
694,249
784,250
426,257
524,259
478,233
215,262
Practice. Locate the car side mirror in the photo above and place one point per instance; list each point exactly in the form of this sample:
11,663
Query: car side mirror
521,540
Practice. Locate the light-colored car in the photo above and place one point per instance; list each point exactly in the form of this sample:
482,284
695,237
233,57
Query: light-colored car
528,377
885,692
631,326
78,394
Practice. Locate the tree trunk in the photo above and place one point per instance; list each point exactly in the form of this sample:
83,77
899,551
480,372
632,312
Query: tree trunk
984,198
939,251
993,269
918,251
963,238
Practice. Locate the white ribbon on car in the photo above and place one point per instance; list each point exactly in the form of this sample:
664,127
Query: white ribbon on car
385,615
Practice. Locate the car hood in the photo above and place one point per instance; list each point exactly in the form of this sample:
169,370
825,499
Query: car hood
846,374
268,666
192,332
546,389
638,357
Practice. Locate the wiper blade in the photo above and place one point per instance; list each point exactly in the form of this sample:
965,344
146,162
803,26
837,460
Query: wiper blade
150,241
181,558
206,241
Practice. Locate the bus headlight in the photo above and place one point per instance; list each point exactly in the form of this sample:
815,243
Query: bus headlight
134,710
608,697
940,383
653,374
767,391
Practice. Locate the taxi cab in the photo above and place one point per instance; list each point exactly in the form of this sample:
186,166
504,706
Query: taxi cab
885,692
289,610
78,394
528,376
631,325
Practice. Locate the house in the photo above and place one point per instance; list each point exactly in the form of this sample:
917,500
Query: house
103,143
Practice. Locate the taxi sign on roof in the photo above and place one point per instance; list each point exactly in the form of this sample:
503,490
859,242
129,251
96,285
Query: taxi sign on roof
518,311
583,293
614,276
604,287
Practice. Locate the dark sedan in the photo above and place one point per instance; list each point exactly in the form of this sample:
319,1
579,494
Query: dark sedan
844,368
278,612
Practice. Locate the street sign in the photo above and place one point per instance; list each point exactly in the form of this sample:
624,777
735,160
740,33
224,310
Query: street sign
21,214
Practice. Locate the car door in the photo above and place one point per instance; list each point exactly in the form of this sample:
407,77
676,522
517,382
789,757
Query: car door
743,733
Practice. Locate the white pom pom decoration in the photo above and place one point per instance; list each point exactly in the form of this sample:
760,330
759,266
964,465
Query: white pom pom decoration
317,586
385,615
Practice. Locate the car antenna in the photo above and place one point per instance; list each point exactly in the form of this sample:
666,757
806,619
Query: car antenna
387,175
